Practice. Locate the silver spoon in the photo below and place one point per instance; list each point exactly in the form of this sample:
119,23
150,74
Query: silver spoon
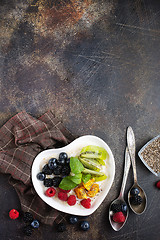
138,209
120,200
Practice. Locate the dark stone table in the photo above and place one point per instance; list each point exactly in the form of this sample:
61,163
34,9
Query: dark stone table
96,64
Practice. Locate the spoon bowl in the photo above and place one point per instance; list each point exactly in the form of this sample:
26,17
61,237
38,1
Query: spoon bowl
117,226
120,203
138,209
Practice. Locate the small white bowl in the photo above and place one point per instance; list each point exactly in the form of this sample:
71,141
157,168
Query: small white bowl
142,159
73,149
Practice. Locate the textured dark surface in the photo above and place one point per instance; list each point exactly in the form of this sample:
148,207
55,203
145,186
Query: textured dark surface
96,63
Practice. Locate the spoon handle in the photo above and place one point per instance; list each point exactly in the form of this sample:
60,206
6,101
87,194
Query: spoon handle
126,171
132,150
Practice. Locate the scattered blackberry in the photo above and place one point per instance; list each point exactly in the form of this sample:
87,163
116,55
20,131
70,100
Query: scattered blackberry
28,217
57,170
46,170
136,200
56,181
66,171
28,230
116,207
41,176
48,182
52,164
61,227
134,191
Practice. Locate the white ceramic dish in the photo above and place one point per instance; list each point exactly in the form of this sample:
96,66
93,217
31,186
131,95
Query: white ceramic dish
73,149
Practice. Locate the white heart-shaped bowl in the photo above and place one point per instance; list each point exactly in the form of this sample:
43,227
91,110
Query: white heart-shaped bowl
73,149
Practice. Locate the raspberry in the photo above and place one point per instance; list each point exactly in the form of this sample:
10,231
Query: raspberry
86,203
13,214
62,190
62,196
71,200
158,184
50,192
119,217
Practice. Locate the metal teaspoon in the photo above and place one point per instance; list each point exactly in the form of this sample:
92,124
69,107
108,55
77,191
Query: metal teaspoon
120,200
138,209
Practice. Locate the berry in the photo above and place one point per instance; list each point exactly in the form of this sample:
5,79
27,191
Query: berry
41,176
158,184
57,170
13,214
62,196
73,219
84,225
62,158
119,217
71,200
48,182
116,207
46,170
134,191
56,181
28,217
61,227
28,230
136,200
50,192
124,208
52,164
62,190
35,224
86,203
66,171
68,161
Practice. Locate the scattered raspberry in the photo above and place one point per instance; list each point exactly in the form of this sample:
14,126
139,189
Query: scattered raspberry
65,191
86,203
62,196
119,217
71,200
158,184
13,214
50,192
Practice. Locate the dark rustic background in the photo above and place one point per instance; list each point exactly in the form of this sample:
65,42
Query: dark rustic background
96,63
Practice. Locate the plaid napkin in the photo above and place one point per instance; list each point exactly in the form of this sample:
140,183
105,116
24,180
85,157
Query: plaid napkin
21,139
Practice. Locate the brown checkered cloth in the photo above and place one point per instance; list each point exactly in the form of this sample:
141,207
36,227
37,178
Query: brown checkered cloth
22,138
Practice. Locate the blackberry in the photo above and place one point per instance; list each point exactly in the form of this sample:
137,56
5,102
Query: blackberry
57,170
52,164
46,170
61,227
68,161
27,230
66,171
116,207
41,176
56,181
48,182
134,191
28,217
136,200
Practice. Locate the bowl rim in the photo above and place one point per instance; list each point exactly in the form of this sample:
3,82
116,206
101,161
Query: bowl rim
86,212
142,159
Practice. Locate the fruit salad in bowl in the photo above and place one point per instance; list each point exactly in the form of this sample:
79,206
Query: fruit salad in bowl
76,178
